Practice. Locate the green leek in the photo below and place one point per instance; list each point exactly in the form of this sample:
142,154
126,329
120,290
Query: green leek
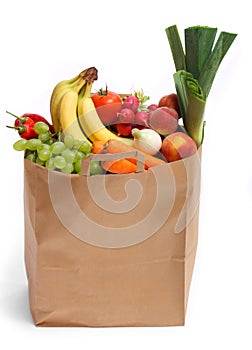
195,71
176,47
211,66
198,46
192,100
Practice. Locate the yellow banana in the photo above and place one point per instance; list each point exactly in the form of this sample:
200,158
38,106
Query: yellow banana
57,93
89,120
67,112
59,86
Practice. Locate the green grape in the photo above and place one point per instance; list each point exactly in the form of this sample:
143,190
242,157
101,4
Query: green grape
45,136
50,164
40,147
69,141
20,145
85,147
31,156
79,155
33,144
45,146
44,154
49,142
77,166
39,161
68,168
59,162
57,147
41,127
76,144
69,155
95,167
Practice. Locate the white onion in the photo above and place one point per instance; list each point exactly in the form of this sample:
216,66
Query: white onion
147,140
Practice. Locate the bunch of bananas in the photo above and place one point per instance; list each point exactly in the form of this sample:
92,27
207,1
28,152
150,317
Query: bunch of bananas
73,111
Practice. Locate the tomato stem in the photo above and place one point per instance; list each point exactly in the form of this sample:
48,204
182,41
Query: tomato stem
103,92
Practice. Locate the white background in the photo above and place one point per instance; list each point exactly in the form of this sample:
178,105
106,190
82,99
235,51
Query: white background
45,42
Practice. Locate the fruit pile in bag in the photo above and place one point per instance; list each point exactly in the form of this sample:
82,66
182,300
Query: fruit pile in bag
84,123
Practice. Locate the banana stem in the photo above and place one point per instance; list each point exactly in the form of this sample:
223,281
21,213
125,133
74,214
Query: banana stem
91,75
87,92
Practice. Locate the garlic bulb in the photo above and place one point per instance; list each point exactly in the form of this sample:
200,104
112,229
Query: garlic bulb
147,140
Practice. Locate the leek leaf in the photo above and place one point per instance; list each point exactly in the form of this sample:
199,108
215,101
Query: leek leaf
198,46
176,47
211,66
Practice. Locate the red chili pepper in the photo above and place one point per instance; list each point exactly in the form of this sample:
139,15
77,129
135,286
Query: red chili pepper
35,117
25,131
25,127
26,121
39,118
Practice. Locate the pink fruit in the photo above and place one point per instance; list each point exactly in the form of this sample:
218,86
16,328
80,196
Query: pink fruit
141,118
131,102
152,107
164,120
126,115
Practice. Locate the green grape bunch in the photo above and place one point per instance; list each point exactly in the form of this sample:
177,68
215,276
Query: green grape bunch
59,153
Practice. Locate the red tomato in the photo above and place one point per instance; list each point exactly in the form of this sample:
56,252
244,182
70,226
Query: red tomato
107,104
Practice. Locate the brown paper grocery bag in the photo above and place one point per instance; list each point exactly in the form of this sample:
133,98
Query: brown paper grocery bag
111,250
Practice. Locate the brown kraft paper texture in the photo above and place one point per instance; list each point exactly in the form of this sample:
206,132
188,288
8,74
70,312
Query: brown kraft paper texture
111,250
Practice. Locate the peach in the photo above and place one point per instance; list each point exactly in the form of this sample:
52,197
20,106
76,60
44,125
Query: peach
164,120
170,101
178,146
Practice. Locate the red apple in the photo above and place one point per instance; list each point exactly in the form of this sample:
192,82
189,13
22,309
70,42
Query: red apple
170,101
178,146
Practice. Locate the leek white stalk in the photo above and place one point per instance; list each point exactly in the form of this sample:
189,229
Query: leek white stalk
147,140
